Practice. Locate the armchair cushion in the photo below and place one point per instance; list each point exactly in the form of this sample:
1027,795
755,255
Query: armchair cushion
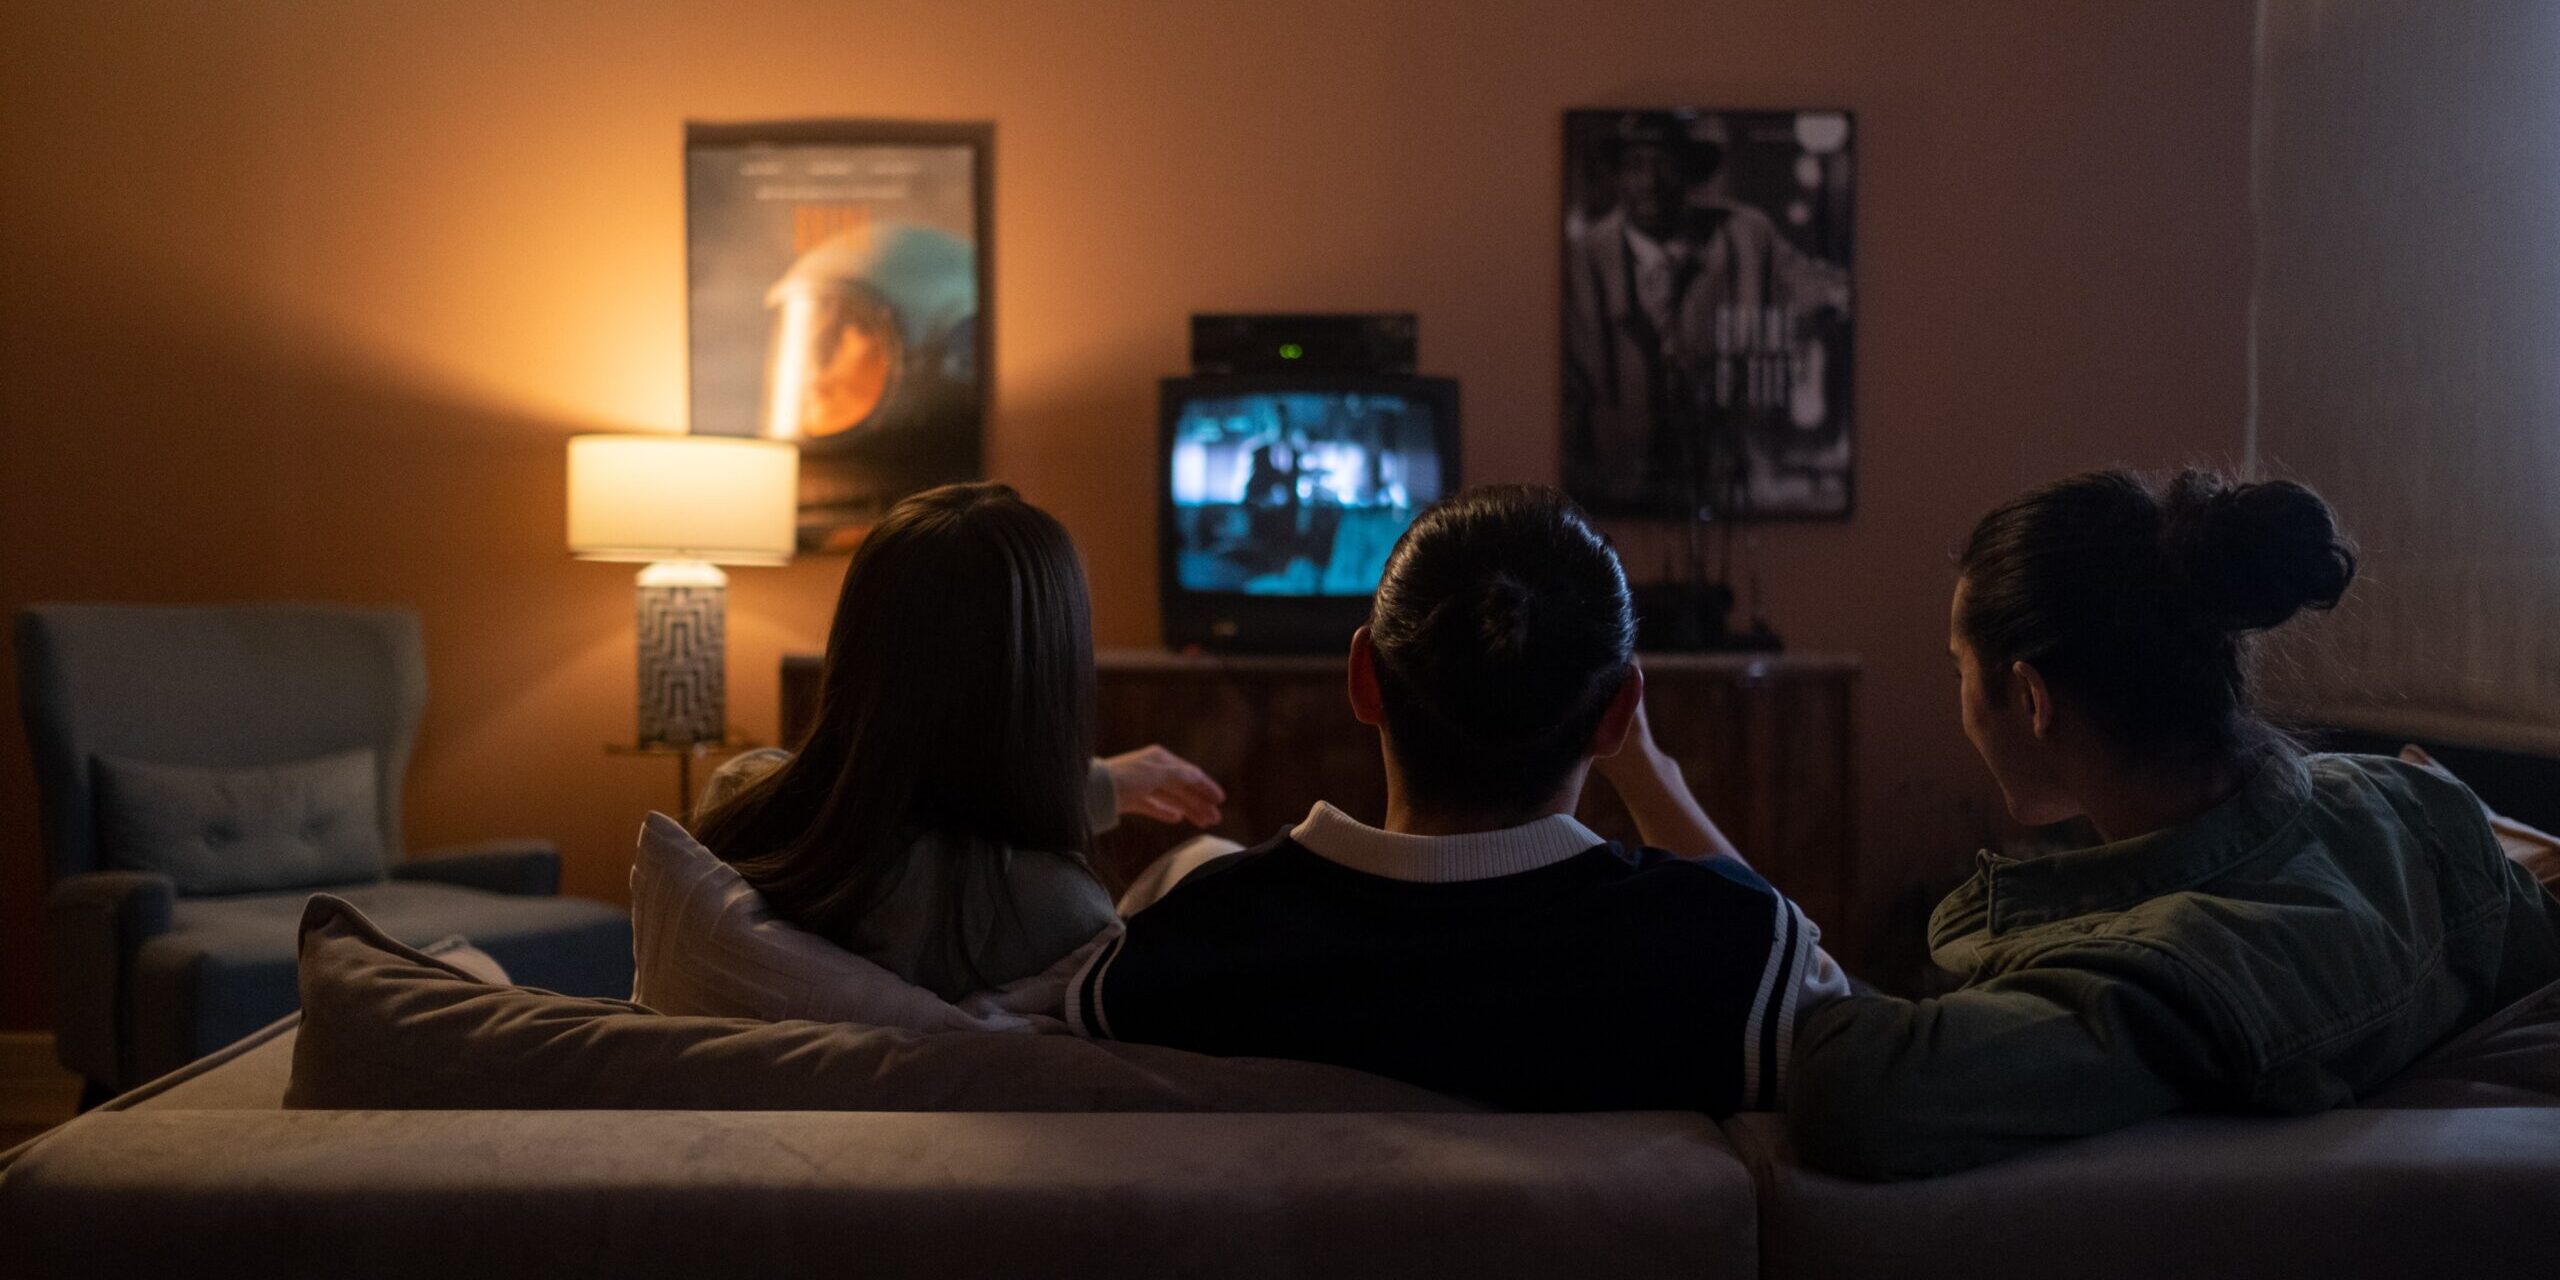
93,924
226,965
522,867
243,829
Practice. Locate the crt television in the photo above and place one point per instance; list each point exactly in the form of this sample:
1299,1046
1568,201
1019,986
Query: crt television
1281,494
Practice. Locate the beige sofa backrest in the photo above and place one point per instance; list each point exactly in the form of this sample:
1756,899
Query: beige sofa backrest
2347,1193
655,1193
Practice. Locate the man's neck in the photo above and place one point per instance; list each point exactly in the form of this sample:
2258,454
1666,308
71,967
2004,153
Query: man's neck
1406,816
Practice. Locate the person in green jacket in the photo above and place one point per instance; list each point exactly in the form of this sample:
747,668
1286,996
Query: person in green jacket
2260,929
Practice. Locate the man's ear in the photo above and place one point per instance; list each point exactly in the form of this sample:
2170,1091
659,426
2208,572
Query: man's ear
1619,720
1365,706
2035,698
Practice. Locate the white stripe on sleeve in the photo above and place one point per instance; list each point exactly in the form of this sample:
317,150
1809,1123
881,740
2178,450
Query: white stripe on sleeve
1089,976
1819,978
1760,1002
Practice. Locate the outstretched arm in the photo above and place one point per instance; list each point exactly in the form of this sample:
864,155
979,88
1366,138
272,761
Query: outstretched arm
1888,1088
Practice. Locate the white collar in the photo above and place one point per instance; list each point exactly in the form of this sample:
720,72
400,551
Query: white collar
1337,837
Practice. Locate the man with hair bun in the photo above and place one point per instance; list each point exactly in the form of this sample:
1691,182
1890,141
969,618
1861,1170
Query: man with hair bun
1482,942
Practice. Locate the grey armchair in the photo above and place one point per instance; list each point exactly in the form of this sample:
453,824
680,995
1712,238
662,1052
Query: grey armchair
148,976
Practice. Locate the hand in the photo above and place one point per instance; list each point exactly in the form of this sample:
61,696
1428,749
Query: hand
1155,783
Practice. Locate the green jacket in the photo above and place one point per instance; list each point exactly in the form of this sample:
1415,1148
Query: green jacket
2294,947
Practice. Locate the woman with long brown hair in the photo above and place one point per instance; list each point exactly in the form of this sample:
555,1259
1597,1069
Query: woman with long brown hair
936,819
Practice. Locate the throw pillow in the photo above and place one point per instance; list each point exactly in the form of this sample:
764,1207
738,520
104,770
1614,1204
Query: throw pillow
2536,850
456,950
705,943
385,1027
243,830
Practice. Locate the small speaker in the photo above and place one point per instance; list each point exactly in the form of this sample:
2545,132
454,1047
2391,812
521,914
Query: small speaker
1381,342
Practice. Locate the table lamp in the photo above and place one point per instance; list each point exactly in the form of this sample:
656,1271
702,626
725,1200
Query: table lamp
684,505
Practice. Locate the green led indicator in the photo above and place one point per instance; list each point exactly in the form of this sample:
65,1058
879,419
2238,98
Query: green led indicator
1291,351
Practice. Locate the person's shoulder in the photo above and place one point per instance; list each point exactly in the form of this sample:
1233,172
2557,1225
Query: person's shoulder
1058,901
1227,889
1683,892
1237,872
1033,870
736,775
2422,794
2421,777
1716,873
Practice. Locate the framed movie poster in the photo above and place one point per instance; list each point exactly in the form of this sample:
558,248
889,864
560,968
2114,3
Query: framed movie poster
1707,313
837,281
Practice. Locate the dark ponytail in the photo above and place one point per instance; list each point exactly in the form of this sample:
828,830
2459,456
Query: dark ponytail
1502,628
2139,595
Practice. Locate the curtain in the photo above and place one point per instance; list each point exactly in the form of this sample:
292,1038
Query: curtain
2406,353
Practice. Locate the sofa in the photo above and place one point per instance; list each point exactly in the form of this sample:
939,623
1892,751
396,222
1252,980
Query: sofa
205,1174
483,1161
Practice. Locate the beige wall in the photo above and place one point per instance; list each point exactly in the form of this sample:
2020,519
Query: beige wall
301,298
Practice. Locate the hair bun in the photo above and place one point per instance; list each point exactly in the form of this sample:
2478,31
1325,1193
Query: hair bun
2251,556
1503,605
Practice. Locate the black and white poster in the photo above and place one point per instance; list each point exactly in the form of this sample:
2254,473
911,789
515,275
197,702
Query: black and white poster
837,277
1707,313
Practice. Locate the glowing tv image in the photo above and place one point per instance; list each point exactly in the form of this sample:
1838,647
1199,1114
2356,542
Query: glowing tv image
1282,494
1298,493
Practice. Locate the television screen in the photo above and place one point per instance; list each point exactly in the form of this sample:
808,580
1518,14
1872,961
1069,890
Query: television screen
1297,492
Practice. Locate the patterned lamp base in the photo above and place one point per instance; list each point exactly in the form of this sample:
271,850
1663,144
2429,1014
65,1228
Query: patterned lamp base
683,685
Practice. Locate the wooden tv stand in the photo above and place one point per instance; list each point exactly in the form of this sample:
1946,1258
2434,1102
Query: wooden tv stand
1764,738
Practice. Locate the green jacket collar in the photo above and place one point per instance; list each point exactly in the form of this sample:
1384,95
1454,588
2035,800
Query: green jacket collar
2008,894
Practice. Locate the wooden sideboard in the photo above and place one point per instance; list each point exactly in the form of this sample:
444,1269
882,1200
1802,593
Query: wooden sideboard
1765,740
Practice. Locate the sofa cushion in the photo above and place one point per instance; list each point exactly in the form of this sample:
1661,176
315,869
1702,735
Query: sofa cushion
243,829
226,965
705,944
2345,1193
387,1027
2510,1060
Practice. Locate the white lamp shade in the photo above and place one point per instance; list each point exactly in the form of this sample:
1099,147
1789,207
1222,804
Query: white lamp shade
721,499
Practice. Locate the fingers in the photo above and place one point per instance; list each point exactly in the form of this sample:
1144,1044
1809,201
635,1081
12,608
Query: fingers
1158,784
1187,799
1155,783
1198,794
1171,807
1208,785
